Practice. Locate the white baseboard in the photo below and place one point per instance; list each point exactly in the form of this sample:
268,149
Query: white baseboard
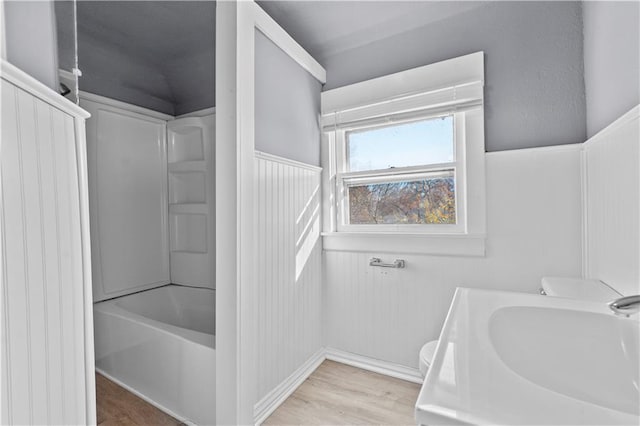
375,365
277,396
267,405
149,400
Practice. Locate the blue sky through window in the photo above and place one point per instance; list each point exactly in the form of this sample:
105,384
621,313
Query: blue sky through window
403,145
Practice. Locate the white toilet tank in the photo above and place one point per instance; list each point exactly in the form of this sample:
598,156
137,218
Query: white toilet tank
578,288
426,356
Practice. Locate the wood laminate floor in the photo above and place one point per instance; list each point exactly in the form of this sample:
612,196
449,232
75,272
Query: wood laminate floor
335,394
338,394
118,406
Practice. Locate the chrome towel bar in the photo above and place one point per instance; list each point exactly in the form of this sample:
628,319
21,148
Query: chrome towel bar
376,261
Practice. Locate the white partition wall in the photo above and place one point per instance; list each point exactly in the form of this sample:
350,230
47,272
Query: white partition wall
612,204
47,318
237,283
288,263
129,197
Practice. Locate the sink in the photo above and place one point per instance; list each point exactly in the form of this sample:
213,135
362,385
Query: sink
514,359
589,356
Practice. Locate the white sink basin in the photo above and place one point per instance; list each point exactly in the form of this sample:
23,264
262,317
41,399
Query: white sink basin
513,358
588,356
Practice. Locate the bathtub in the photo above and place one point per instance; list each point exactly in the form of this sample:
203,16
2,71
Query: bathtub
160,344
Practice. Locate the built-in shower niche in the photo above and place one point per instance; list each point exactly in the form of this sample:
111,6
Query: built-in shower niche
186,144
188,233
187,187
189,249
190,165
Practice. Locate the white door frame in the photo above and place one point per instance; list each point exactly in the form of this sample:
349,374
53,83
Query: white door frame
236,373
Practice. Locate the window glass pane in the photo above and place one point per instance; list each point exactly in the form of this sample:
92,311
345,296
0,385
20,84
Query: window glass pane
428,200
402,145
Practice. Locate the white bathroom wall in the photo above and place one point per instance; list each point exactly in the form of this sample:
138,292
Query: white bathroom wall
279,110
46,310
534,87
612,204
533,229
127,159
611,82
287,255
29,31
284,115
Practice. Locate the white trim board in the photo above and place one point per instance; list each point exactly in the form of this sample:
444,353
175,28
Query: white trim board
274,32
267,405
448,73
375,365
24,81
85,229
199,113
86,96
287,161
428,244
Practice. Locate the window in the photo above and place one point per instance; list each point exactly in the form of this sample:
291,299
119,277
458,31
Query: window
404,154
400,174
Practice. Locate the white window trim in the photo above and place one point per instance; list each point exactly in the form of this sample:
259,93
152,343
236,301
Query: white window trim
458,165
416,94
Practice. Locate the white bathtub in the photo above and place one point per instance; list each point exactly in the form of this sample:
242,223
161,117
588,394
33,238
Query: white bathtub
160,344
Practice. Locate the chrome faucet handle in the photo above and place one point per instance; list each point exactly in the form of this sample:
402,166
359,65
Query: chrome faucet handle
626,306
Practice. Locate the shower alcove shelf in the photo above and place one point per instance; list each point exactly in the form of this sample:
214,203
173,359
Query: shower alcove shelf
190,200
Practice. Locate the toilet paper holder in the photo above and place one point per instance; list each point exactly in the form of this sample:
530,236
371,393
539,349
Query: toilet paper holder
376,261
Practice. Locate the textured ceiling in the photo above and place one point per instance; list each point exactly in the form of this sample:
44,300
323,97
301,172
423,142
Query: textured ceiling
156,54
161,54
325,28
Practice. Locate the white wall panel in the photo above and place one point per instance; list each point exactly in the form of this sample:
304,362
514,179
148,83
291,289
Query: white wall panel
287,268
612,204
127,161
44,362
192,201
533,229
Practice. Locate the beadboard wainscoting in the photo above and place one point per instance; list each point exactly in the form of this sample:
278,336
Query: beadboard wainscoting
47,324
612,204
288,268
533,230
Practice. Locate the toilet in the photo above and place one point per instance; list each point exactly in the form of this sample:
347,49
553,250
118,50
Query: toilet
578,288
426,356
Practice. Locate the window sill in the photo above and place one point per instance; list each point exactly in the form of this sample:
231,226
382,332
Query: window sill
376,242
